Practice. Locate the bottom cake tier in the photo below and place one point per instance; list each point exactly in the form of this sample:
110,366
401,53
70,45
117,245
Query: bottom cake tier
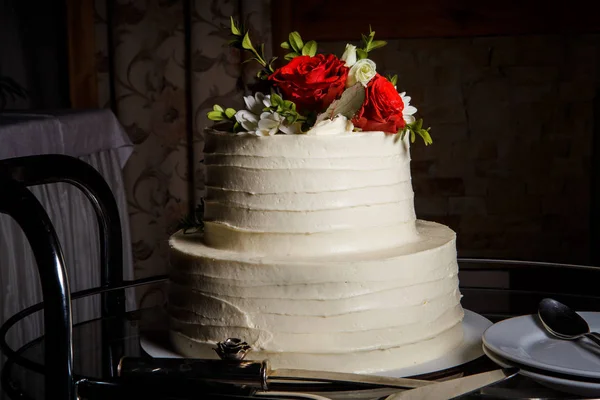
364,312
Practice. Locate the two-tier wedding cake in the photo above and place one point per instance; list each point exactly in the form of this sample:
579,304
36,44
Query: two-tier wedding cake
310,249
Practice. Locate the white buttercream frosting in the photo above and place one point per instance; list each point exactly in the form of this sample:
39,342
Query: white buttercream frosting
313,255
299,195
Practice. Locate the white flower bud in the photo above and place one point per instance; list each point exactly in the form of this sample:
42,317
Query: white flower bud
362,71
349,55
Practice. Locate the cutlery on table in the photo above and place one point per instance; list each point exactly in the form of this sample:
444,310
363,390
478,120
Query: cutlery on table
563,322
255,374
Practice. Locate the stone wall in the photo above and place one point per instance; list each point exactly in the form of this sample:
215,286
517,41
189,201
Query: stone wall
512,121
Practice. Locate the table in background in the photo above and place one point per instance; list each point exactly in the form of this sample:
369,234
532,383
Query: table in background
96,137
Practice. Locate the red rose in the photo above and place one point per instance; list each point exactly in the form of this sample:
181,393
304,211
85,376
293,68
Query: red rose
313,83
382,108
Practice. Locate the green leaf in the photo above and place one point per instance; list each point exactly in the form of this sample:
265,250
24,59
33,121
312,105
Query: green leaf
230,112
400,135
377,44
393,79
215,115
310,49
270,66
361,54
217,107
246,43
276,99
285,45
289,105
296,42
289,56
426,137
234,29
412,136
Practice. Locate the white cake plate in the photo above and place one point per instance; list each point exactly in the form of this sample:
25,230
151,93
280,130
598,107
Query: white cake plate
474,325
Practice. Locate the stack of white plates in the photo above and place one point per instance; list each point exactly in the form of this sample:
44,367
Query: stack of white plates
568,366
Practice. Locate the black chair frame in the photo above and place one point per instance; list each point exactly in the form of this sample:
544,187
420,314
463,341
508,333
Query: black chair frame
17,201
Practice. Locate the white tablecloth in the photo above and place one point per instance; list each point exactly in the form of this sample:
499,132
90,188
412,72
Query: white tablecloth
93,136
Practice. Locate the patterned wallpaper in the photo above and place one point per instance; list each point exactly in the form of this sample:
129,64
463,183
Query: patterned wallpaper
152,75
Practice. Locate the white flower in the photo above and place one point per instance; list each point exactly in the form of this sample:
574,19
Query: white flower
255,104
362,71
408,111
338,125
247,120
349,55
269,124
291,129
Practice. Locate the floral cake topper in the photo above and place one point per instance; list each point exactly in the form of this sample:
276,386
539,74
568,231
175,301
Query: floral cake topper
320,94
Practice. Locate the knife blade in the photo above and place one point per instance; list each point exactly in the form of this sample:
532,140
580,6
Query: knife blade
455,387
327,376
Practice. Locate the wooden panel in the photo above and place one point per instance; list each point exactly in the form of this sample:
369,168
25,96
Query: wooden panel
347,19
83,85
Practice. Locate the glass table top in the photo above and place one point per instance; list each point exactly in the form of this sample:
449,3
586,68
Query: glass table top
490,297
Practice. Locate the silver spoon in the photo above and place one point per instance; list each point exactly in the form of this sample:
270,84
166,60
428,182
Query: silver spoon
563,322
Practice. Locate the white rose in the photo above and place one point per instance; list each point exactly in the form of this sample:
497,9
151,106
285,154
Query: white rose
349,55
362,71
338,125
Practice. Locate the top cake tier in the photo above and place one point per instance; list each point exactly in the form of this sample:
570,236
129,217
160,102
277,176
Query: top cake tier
305,196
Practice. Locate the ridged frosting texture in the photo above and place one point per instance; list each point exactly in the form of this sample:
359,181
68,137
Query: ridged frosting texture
304,195
320,313
312,253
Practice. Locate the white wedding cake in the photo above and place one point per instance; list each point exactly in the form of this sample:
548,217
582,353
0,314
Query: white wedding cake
312,254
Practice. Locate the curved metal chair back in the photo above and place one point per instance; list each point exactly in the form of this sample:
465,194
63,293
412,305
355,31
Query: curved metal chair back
18,202
52,168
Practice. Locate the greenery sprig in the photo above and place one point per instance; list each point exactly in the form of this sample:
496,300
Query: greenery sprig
193,222
285,108
298,47
220,114
414,129
241,40
369,44
393,79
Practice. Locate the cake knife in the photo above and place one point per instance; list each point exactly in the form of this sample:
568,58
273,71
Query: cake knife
256,374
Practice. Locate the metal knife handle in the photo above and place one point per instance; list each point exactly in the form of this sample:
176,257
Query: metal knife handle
241,373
